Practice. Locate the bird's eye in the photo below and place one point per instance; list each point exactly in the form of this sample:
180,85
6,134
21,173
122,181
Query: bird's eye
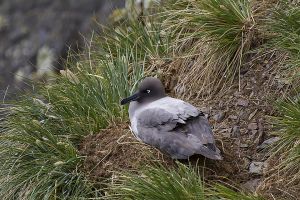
148,91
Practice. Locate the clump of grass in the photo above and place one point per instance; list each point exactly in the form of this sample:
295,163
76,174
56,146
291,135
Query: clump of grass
289,125
220,34
284,170
38,142
145,37
161,183
37,161
93,101
224,192
283,174
285,29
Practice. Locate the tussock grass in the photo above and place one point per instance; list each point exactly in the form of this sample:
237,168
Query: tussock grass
39,137
162,183
145,38
219,34
284,171
285,28
289,125
37,161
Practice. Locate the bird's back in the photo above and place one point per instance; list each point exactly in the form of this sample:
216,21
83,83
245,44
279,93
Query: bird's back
176,127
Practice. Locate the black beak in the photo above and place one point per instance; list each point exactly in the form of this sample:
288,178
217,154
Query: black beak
133,97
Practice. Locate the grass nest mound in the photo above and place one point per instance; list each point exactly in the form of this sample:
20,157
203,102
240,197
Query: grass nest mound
114,150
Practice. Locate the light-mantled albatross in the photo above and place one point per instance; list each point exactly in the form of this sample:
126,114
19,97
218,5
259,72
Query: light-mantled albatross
171,125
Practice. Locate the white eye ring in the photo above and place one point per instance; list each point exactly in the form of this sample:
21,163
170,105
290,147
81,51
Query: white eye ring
148,91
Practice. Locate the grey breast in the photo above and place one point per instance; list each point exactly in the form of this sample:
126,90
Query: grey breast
175,127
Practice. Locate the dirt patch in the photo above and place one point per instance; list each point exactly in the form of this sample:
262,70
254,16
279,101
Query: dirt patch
114,150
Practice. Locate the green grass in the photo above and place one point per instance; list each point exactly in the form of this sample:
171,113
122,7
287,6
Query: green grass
94,101
217,33
40,136
171,184
283,172
144,37
289,131
37,161
285,29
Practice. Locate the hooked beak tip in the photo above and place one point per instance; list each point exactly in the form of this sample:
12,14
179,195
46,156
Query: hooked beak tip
123,102
134,97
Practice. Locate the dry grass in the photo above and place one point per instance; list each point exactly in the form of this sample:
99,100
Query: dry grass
283,177
279,183
212,39
114,150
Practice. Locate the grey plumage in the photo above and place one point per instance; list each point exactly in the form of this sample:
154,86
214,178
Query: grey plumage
171,125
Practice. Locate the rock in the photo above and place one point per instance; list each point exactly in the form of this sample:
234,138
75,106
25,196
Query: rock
44,63
242,102
27,27
242,145
251,185
235,131
219,117
233,117
267,142
252,126
256,167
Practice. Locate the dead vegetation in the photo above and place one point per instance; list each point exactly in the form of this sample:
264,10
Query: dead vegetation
115,150
279,183
213,38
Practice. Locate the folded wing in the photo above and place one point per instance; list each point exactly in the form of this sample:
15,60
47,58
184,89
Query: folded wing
177,128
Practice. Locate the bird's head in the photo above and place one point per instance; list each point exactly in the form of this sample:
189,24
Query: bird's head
150,89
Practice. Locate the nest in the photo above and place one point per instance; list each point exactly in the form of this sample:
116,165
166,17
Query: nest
115,150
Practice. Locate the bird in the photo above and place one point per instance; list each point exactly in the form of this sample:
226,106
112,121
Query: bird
171,125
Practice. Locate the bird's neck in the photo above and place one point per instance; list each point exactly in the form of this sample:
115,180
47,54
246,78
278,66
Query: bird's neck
135,106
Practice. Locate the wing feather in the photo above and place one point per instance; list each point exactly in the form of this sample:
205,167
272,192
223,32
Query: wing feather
180,130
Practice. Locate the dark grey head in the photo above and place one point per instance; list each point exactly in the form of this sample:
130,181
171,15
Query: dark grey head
150,89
